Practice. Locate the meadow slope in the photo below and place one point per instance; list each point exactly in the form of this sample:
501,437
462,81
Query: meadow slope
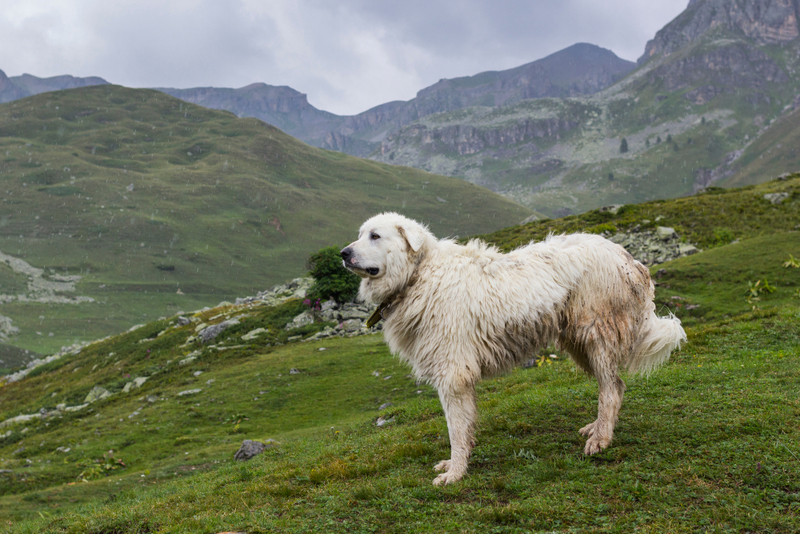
708,442
137,201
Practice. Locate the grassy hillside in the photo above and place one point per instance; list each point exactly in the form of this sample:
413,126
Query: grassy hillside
772,154
157,204
708,442
712,218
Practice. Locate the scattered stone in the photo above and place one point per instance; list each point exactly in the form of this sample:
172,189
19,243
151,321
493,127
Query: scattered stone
151,399
529,219
376,373
137,383
97,393
209,333
251,449
382,421
294,371
253,334
189,392
304,319
776,198
184,321
613,208
653,248
20,419
664,232
187,360
385,405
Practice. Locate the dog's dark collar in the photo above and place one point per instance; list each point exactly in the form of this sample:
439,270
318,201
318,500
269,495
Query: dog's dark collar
377,315
382,311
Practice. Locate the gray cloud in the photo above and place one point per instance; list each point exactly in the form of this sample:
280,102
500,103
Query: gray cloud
347,55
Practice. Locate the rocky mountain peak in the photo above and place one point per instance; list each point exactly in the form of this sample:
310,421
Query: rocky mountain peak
764,21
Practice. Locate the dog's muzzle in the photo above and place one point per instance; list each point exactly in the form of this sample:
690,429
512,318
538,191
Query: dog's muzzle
349,262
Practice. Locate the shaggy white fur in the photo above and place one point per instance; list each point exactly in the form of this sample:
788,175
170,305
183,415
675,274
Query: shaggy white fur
459,313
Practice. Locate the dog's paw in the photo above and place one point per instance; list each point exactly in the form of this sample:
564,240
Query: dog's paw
444,465
595,444
588,430
447,478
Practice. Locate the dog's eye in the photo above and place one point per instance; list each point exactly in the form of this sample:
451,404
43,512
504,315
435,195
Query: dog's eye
373,235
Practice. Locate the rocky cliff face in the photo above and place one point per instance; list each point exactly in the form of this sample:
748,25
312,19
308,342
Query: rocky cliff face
763,21
467,139
17,87
9,91
34,85
581,69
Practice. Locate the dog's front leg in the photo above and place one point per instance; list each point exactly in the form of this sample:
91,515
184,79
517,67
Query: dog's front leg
461,412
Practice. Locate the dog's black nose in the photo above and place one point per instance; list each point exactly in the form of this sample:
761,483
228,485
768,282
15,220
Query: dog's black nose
346,253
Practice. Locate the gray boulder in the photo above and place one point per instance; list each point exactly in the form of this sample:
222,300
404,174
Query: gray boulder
96,394
776,198
251,449
210,332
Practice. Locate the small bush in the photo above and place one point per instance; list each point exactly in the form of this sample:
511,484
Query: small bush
332,280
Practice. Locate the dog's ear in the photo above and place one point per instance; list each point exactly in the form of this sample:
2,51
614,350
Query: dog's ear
414,236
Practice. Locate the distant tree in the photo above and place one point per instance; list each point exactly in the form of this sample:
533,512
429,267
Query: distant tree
702,120
658,140
675,147
611,177
647,143
623,146
669,138
331,279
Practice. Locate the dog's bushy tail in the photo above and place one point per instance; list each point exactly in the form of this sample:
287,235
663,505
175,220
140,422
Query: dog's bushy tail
658,337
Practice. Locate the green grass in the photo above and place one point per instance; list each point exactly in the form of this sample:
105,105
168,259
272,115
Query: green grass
709,219
706,443
718,281
138,192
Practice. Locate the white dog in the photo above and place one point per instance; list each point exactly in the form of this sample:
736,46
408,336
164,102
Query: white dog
460,313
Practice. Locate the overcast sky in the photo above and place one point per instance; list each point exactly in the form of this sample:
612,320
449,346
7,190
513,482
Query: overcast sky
346,55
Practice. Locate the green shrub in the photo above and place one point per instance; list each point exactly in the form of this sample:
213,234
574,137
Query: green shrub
332,280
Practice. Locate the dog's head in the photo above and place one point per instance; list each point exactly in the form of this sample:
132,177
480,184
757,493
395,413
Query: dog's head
385,254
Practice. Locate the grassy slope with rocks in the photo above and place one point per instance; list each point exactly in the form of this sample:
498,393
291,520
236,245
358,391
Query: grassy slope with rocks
707,442
157,204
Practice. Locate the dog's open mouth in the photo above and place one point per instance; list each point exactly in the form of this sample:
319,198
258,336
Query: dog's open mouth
363,272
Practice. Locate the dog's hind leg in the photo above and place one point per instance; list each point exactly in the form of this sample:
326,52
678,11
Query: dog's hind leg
461,412
601,431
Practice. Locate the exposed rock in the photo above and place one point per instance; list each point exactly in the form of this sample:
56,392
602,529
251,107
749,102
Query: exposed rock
765,21
97,393
776,198
20,419
189,392
250,449
665,233
383,421
210,332
253,334
654,247
137,383
305,318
